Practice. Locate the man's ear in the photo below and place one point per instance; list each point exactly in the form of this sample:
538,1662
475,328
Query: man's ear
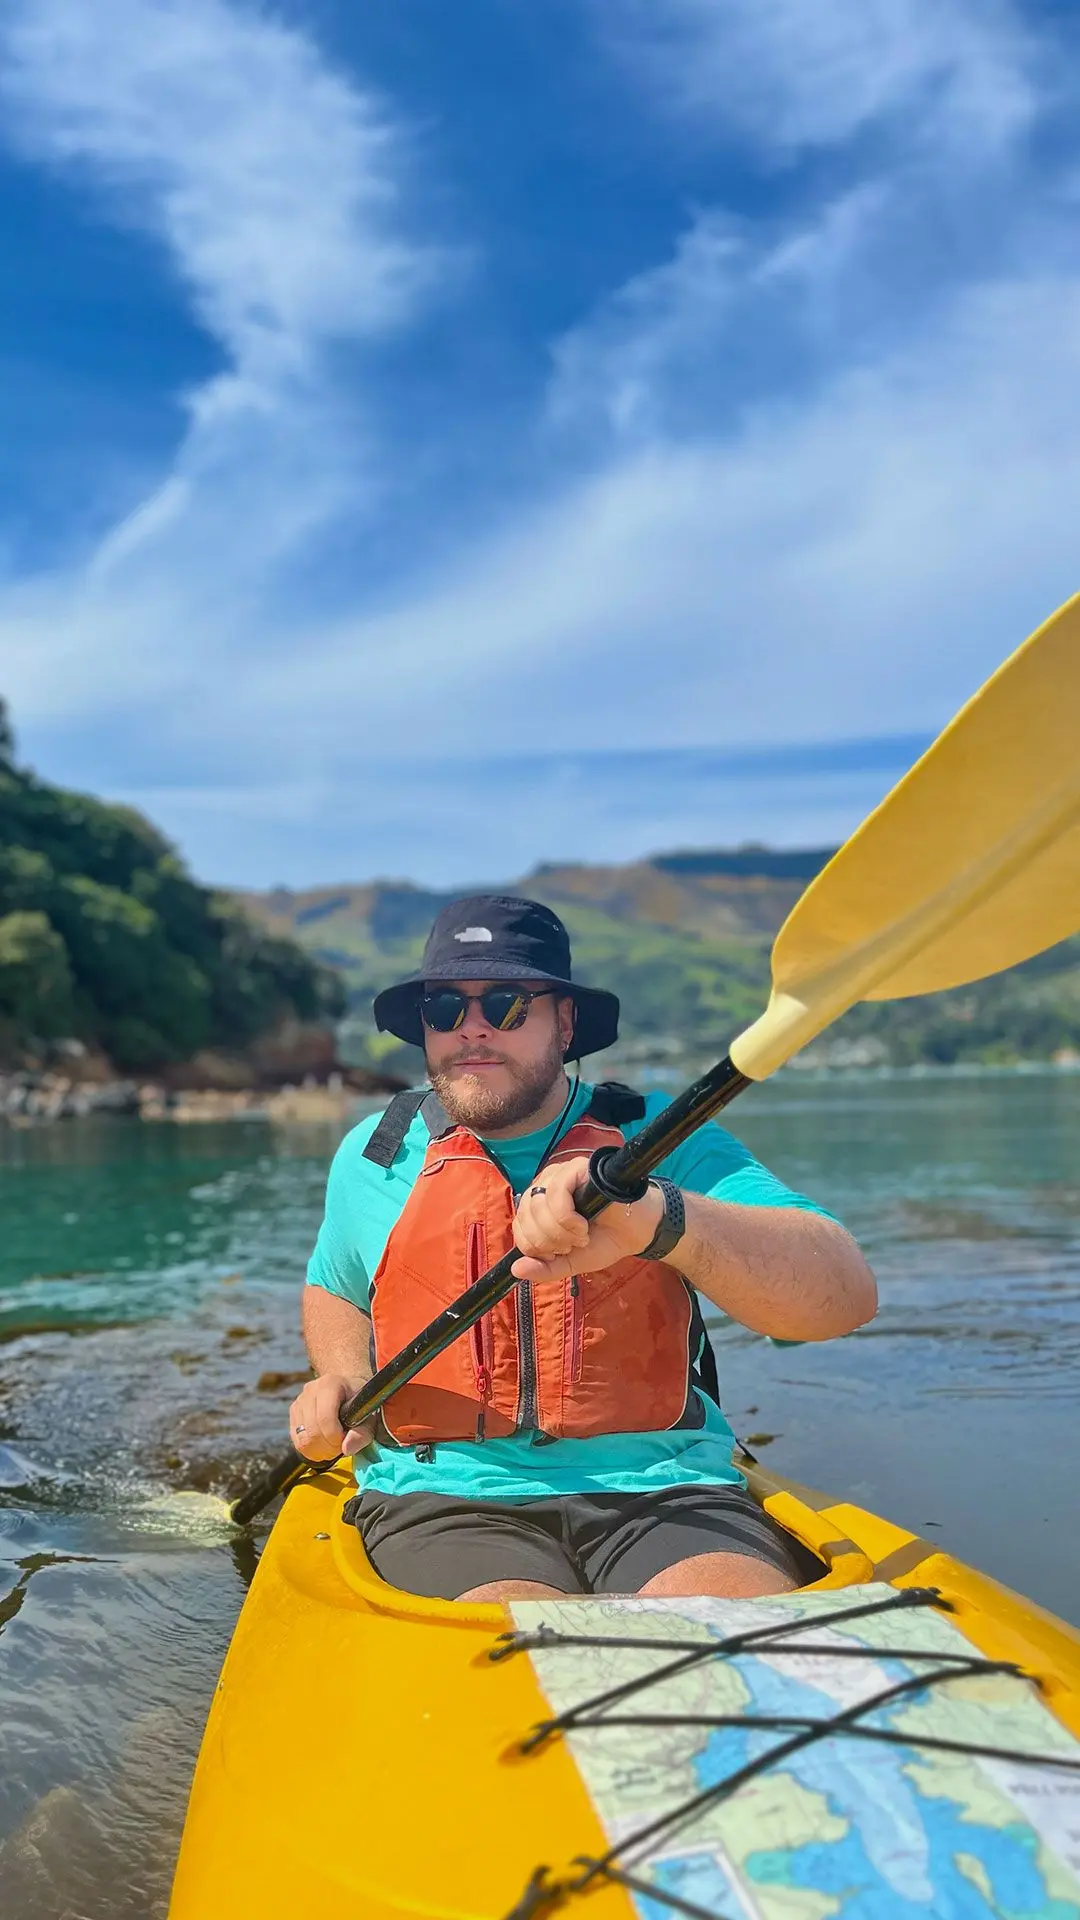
567,1021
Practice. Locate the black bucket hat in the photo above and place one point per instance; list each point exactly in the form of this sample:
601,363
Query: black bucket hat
494,936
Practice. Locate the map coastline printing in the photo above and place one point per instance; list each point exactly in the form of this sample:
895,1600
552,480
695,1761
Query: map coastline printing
848,1827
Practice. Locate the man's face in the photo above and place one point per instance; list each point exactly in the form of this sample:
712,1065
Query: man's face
489,1080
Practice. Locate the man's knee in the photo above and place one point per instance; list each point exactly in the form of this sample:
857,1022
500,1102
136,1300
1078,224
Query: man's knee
729,1576
513,1590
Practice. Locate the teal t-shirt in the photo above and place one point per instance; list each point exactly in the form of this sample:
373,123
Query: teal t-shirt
364,1202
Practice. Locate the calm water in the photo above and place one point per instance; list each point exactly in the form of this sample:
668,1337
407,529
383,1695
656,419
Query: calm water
148,1281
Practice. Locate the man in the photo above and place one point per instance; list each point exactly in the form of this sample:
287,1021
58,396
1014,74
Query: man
568,1443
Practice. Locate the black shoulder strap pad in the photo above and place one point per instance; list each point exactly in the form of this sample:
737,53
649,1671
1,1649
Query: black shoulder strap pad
613,1105
386,1140
434,1115
385,1143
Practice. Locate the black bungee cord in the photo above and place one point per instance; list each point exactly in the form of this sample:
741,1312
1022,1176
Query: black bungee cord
545,1891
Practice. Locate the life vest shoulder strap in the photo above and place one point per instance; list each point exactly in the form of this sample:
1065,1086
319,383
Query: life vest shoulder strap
612,1105
615,1105
386,1141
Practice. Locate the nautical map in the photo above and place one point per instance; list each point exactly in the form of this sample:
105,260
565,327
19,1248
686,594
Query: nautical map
846,1826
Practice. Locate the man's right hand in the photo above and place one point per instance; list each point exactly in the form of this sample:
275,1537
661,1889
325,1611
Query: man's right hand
314,1419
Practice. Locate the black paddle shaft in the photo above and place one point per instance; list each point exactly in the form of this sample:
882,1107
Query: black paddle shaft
615,1174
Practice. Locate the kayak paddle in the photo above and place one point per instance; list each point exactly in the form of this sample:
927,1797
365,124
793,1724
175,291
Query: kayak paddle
969,865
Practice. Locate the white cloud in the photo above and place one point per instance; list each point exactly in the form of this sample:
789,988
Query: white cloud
732,312
845,563
796,74
802,479
271,179
942,195
276,187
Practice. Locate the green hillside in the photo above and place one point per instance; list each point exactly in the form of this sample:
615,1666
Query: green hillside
105,938
684,940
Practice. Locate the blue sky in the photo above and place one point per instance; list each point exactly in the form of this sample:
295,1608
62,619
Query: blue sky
439,438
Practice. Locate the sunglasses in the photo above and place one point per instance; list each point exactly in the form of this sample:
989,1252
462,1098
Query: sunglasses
504,1008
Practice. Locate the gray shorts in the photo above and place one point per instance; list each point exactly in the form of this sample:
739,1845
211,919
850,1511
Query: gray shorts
431,1544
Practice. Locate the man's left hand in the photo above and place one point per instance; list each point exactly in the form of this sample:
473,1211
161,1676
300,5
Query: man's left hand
555,1240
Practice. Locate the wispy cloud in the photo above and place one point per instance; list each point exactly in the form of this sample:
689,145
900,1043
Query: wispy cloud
931,107
273,180
277,188
873,547
816,466
734,313
790,74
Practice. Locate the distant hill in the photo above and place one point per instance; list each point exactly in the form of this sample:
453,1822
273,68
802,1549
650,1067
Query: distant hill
754,862
684,939
106,940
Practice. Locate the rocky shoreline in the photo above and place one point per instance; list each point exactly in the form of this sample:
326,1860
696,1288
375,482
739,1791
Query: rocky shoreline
291,1075
31,1099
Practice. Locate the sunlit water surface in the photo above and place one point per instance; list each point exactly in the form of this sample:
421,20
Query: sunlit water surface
148,1283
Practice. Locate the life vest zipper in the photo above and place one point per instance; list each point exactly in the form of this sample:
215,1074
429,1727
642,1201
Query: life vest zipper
576,1328
480,1334
526,1332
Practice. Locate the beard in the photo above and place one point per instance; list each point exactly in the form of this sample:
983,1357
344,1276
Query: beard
471,1102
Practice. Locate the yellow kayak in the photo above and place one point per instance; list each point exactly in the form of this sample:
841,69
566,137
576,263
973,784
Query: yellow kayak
363,1753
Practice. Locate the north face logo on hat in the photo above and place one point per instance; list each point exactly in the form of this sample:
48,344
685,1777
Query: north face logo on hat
475,933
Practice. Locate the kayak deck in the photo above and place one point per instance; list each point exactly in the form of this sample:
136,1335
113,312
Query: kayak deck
360,1754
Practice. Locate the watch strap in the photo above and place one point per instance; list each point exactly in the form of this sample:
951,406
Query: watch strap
673,1222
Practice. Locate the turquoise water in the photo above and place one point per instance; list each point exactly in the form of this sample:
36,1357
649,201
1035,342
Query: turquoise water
148,1292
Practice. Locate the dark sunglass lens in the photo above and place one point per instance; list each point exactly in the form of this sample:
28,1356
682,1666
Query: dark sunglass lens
505,1007
443,1011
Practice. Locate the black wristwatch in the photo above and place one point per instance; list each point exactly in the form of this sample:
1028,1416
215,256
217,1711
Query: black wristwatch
672,1225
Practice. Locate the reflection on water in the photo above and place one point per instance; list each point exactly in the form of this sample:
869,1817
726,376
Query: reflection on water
148,1283
108,1665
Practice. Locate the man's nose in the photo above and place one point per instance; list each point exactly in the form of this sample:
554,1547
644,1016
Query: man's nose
475,1026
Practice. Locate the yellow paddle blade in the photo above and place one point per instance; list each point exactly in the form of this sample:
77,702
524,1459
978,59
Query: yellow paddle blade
970,864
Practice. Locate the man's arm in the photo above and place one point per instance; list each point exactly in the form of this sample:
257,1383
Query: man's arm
338,1340
782,1271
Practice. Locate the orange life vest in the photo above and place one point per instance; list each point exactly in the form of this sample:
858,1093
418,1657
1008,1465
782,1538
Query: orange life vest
606,1352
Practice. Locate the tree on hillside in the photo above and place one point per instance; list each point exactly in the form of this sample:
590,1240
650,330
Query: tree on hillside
105,936
36,984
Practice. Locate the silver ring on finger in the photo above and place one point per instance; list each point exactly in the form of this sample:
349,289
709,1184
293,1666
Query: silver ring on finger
299,1429
533,1191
